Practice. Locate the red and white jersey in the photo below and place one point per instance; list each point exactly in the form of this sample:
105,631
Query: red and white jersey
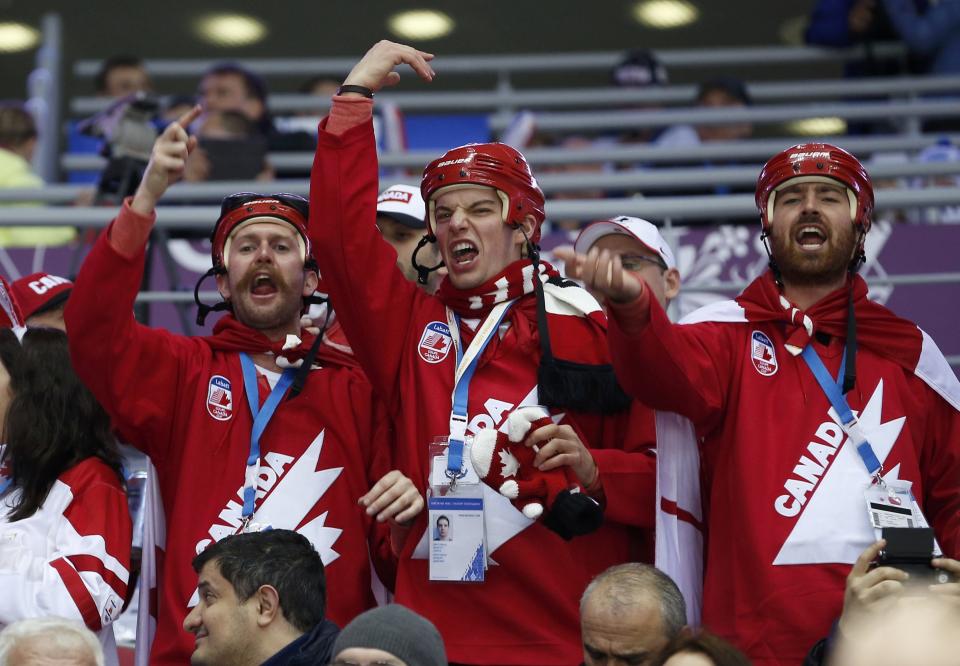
783,496
183,404
71,558
526,611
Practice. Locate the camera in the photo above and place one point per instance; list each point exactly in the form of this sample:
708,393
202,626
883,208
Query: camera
910,549
127,128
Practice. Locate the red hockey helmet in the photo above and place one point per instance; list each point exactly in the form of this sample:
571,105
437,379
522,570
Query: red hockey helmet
809,162
495,165
238,209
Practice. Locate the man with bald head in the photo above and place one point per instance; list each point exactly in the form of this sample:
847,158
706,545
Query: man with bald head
51,640
628,613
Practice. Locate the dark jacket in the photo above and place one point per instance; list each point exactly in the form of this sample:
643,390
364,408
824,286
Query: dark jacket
309,649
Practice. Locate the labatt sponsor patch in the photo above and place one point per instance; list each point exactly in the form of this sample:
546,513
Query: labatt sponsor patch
435,342
219,398
762,354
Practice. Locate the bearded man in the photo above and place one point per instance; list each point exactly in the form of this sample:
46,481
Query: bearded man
808,401
257,426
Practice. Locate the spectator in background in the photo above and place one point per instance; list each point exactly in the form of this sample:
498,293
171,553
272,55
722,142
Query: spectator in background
65,529
324,87
699,649
761,354
231,87
629,613
262,601
390,635
122,75
640,69
47,641
942,151
933,32
18,141
642,251
229,148
401,219
176,106
725,92
42,298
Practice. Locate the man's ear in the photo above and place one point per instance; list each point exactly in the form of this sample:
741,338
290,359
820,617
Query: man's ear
528,225
671,283
268,605
223,285
310,282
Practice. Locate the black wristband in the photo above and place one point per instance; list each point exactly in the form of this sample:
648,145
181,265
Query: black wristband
360,90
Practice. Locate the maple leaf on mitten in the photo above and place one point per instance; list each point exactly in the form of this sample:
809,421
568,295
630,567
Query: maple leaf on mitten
505,463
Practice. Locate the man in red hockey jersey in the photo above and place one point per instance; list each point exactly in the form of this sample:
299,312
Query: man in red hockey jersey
255,426
483,205
809,401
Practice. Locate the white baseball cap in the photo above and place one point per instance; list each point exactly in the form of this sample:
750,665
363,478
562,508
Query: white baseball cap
645,232
403,203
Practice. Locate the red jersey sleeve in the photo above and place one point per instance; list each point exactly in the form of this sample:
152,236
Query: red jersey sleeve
134,371
374,302
671,367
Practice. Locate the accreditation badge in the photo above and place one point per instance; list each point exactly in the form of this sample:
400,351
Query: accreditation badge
457,539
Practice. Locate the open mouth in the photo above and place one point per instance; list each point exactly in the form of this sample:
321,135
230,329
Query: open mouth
810,237
463,252
263,285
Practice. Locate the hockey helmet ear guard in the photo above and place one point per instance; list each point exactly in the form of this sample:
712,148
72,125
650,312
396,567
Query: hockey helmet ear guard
808,162
235,212
495,165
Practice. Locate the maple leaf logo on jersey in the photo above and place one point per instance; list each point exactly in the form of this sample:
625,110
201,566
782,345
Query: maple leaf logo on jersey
508,463
828,496
293,492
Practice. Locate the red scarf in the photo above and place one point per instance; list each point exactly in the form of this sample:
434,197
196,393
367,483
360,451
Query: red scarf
567,333
878,329
512,282
232,336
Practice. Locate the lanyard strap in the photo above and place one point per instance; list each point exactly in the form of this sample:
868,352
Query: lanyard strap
848,420
467,361
5,484
261,417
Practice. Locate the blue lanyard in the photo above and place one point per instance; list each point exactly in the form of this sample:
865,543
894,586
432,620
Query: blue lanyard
5,484
834,393
261,417
461,389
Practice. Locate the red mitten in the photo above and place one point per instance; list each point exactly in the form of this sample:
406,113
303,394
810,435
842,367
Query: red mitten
505,463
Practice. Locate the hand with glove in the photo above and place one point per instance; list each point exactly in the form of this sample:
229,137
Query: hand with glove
506,462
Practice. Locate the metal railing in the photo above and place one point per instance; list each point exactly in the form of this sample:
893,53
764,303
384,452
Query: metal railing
664,178
506,98
675,208
516,63
749,149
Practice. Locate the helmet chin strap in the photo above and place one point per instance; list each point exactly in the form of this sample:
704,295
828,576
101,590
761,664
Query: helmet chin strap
777,277
859,255
202,308
423,272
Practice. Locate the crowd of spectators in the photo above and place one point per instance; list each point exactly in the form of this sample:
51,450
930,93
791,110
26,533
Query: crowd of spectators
306,470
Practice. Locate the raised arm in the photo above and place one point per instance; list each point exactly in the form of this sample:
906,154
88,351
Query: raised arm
132,370
373,300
